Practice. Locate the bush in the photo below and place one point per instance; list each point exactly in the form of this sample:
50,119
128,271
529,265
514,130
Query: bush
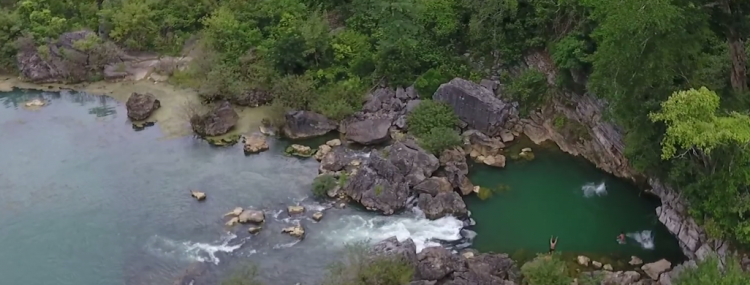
708,273
322,184
439,139
530,90
430,81
429,115
360,267
546,269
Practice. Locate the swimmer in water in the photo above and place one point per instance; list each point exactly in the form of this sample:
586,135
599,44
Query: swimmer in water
621,237
552,244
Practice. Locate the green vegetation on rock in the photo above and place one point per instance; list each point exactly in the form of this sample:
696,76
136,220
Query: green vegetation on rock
546,269
434,124
709,273
360,267
322,184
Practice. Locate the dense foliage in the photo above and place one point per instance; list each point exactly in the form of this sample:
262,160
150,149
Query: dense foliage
360,267
322,184
323,55
434,124
709,273
546,269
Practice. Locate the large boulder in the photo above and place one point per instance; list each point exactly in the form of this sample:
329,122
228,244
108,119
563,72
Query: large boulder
306,124
141,105
63,60
443,204
383,182
217,122
369,132
475,105
391,247
437,263
337,159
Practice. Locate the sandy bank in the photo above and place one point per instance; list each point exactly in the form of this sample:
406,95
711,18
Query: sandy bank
170,118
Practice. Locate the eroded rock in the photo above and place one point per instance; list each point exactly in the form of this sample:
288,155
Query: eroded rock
198,195
141,105
217,122
369,132
475,105
306,124
296,231
655,269
442,204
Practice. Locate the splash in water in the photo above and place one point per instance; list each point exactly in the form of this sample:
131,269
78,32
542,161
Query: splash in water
591,189
193,251
644,238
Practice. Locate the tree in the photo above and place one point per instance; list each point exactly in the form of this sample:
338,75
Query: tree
546,269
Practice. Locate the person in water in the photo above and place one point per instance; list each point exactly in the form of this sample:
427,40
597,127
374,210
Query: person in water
621,237
552,244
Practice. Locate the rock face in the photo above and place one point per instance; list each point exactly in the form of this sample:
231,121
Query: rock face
437,265
369,132
306,124
475,105
384,180
442,204
217,122
62,60
141,105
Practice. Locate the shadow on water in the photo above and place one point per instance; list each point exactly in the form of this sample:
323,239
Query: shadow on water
565,196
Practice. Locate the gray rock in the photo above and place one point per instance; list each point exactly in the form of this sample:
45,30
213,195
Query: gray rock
62,61
337,159
391,247
369,132
475,105
217,122
412,105
655,269
433,186
141,105
252,216
436,263
306,124
414,162
457,176
443,204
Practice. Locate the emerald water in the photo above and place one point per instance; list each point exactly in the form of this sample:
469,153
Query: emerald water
565,196
87,199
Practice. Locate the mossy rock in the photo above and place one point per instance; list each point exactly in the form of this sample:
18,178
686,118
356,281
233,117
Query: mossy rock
139,126
529,156
300,151
223,141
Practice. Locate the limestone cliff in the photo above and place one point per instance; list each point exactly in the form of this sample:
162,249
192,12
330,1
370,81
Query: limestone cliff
575,123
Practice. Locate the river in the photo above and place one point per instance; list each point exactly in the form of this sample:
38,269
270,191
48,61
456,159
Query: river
87,199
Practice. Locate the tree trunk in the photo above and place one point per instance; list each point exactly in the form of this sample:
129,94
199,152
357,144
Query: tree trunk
102,28
738,76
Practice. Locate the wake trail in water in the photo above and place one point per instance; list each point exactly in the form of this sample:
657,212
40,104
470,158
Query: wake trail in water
192,251
422,231
644,238
592,189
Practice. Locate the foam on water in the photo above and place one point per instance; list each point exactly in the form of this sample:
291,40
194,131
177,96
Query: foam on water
644,238
592,189
422,231
193,251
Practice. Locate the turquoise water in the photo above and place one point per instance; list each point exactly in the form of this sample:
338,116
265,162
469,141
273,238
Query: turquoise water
86,199
557,194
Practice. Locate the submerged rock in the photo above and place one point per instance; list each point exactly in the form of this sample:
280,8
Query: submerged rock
254,230
255,143
295,210
141,105
582,260
233,221
306,124
200,196
217,122
296,231
299,150
634,260
317,216
655,269
235,212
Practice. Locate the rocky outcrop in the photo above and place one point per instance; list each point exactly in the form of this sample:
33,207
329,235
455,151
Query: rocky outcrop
255,143
456,170
437,265
369,132
443,204
73,57
384,180
306,124
141,105
476,105
217,122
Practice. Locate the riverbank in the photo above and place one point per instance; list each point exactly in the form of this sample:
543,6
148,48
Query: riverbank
171,118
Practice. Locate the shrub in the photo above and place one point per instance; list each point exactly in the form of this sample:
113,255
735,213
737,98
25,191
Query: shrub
546,269
339,100
430,81
708,273
360,267
322,184
529,90
439,139
429,115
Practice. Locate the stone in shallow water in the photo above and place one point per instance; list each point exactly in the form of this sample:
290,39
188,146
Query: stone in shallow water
297,231
252,216
582,260
236,212
654,269
254,230
317,216
198,195
294,210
